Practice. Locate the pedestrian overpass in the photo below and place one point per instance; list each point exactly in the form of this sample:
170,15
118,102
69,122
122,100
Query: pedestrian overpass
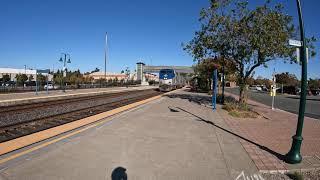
142,69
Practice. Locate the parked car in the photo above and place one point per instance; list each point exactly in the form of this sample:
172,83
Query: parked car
259,88
49,86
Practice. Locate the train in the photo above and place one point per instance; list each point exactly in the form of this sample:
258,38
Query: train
170,80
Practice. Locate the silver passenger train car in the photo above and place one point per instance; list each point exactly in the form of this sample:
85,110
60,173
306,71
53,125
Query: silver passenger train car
169,80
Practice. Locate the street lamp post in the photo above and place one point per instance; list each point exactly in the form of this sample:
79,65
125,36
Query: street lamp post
294,156
25,73
105,59
64,70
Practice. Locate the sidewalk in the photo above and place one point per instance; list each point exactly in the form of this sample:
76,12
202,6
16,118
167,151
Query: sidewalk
268,139
169,138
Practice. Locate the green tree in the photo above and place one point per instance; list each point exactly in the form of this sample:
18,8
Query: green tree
204,71
73,79
95,70
115,80
41,79
88,79
110,81
58,77
287,79
314,83
250,81
21,79
6,78
249,37
30,78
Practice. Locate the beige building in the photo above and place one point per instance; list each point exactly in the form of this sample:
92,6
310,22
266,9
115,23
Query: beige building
100,75
151,77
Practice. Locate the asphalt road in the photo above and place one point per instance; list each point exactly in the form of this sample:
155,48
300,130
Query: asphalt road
288,103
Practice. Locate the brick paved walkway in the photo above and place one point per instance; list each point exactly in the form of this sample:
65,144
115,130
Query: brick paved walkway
268,138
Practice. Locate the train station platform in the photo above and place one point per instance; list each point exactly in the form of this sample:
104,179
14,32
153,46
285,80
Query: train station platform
32,97
168,138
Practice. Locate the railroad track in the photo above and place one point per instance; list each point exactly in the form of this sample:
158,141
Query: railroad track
27,106
112,101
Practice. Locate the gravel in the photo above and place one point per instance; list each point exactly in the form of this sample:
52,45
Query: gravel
10,118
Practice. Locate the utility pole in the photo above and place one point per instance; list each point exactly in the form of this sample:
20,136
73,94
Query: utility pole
294,156
25,72
105,58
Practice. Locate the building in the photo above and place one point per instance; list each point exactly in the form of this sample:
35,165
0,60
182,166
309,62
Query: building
100,75
151,77
29,72
139,71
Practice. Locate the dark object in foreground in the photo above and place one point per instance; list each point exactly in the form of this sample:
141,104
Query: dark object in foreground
119,173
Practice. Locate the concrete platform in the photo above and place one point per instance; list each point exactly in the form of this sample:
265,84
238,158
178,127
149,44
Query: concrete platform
169,138
31,97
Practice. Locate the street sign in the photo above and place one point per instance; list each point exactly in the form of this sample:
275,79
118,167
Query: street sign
296,43
298,54
273,90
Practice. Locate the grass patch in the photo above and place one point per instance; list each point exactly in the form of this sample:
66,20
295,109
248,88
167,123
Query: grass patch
238,110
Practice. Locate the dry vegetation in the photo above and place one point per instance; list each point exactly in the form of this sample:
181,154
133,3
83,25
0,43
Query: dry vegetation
236,109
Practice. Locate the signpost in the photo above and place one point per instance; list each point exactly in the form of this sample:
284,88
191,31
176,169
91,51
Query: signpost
273,94
40,71
293,42
214,90
294,156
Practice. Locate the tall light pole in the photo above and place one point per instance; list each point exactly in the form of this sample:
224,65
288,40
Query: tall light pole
294,156
65,61
25,73
105,58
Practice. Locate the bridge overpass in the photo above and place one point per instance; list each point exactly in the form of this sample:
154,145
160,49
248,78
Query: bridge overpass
142,69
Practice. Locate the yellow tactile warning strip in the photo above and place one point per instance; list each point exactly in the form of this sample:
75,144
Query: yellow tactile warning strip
24,141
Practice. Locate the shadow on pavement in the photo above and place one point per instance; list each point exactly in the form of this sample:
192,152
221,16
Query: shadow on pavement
201,98
278,155
119,173
195,98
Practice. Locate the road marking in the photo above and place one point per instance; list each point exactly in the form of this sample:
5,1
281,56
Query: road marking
24,141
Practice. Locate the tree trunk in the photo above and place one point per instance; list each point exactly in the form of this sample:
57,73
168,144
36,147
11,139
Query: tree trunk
242,98
243,91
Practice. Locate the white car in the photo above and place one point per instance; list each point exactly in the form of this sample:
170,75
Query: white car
49,86
258,88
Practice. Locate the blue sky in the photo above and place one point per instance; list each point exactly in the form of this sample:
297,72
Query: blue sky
35,32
